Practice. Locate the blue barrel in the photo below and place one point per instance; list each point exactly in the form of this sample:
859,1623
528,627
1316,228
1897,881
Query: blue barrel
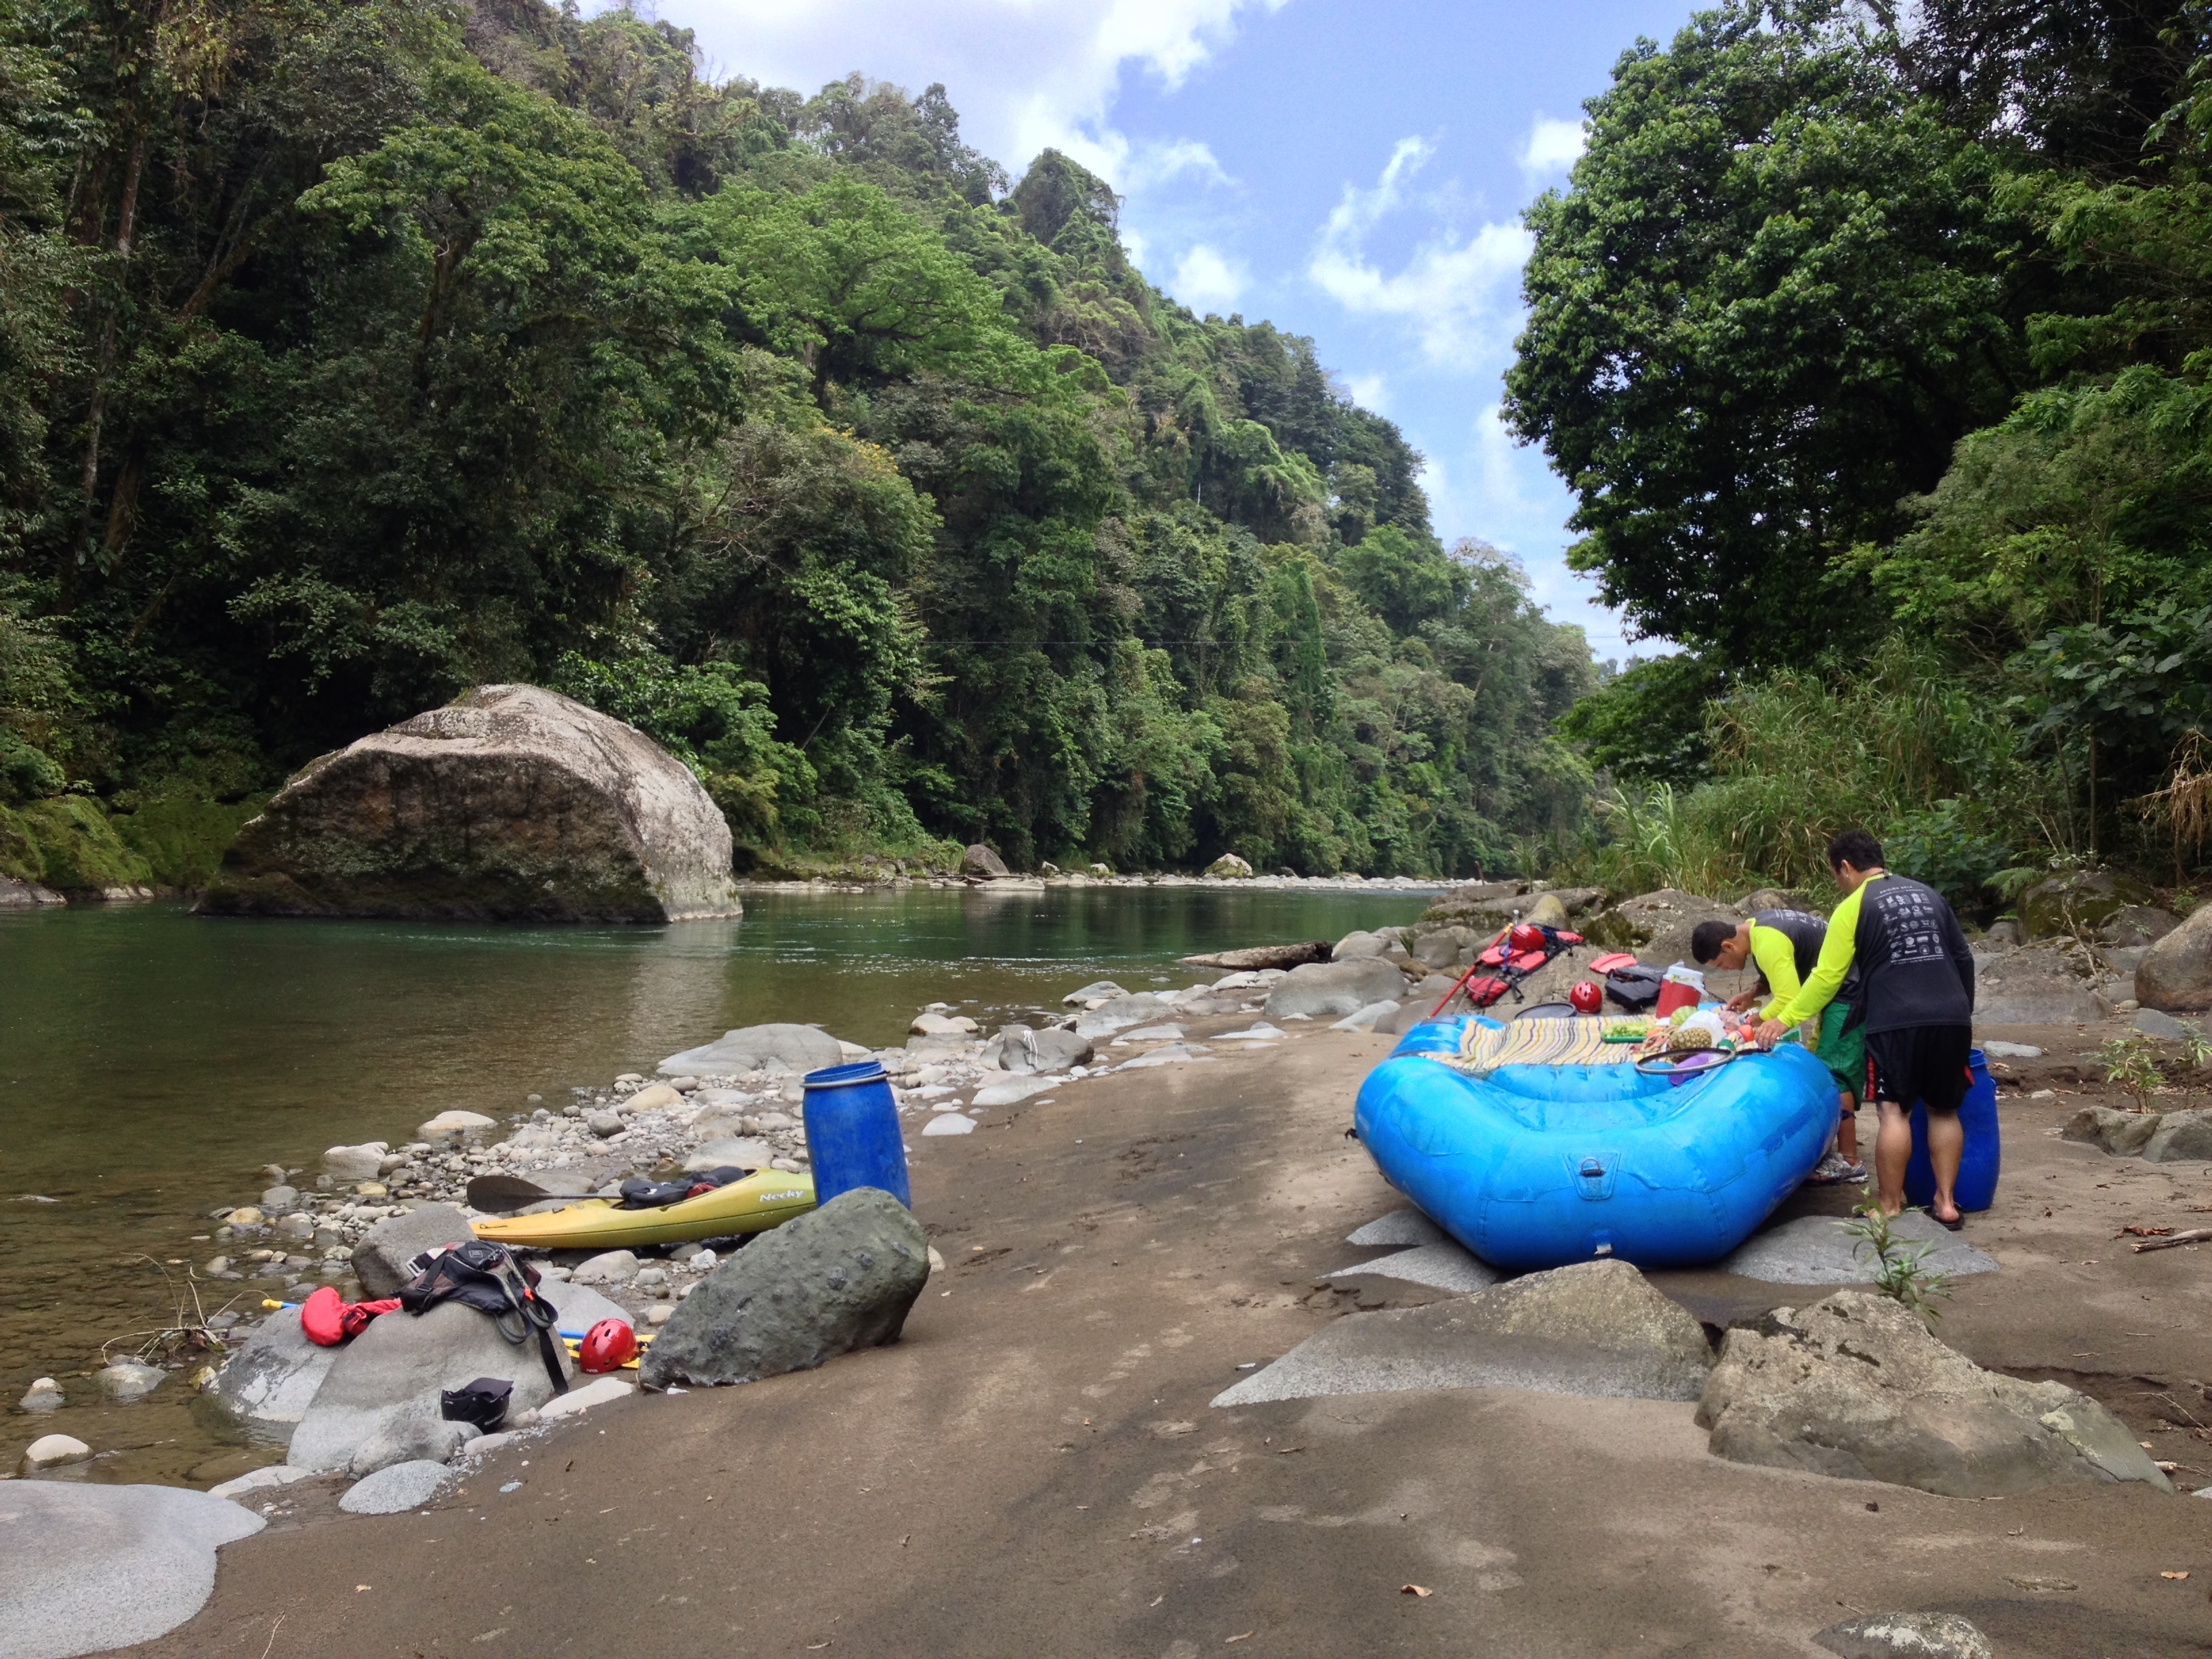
1976,1187
853,1132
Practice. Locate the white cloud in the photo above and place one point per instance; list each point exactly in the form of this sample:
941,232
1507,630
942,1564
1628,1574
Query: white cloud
1461,296
1367,391
1023,74
1551,149
1206,282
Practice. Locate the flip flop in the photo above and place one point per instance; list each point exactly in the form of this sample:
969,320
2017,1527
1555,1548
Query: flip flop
1956,1225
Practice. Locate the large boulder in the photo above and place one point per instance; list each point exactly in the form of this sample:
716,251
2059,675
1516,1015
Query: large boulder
2077,905
1856,1386
1657,926
825,1283
1597,1328
797,1047
2180,1137
351,1164
89,1568
2121,1134
510,803
1018,1048
398,1368
2044,983
983,863
2176,973
1334,988
380,1259
1254,957
269,1383
1228,867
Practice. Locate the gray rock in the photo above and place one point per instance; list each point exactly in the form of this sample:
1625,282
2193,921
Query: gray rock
1355,945
1856,1387
44,1394
2151,1022
748,1049
456,1128
2044,983
2004,934
983,863
2136,926
579,1307
1594,1329
410,1440
1368,1018
399,1367
2121,1134
1441,947
352,1163
2176,973
511,802
1228,867
1546,911
89,1568
1097,991
2181,1136
1253,957
380,1260
1012,1093
607,1267
1816,1249
280,1200
1657,926
126,1379
1906,1636
1334,988
1119,1014
1445,1265
825,1283
2078,902
745,1152
604,1124
268,1478
395,1489
1998,1051
298,1228
1018,1048
270,1381
54,1451
1399,1227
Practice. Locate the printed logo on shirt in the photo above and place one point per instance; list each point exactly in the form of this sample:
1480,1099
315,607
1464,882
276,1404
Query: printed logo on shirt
1911,921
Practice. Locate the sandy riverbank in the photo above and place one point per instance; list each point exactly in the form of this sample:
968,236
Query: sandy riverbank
1036,1467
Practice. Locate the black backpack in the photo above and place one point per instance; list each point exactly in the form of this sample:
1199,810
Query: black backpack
1635,987
487,1277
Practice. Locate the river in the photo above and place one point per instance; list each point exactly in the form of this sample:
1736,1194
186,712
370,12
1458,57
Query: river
152,1062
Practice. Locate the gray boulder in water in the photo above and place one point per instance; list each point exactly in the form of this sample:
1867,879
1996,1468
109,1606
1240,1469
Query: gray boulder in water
510,803
269,1382
799,1047
1856,1387
829,1282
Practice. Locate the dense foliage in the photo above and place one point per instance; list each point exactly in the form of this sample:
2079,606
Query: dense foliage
355,351
1875,345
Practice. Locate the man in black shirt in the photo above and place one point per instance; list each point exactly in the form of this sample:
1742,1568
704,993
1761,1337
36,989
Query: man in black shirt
1915,1008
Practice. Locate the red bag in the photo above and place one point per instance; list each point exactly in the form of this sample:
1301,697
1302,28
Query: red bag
328,1321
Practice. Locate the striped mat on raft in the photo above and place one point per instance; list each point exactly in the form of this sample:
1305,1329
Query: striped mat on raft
1576,1041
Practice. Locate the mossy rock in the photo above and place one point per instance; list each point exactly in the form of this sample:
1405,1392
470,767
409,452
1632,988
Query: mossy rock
2079,903
77,849
182,837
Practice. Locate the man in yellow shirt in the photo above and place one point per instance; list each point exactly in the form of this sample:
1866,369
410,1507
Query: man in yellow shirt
1916,1010
1785,946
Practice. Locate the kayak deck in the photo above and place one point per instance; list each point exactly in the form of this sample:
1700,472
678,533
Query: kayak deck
765,1200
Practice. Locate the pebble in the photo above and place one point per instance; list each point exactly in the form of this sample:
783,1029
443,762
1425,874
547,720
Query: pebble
51,1451
604,1124
217,1266
43,1396
246,1216
660,1313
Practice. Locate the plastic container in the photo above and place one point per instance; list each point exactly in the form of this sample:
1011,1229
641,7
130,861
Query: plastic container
853,1136
1976,1187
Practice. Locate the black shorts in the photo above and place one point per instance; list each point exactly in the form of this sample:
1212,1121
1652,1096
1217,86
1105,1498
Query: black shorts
1920,1064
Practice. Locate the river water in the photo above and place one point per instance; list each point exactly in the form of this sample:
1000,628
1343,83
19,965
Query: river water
152,1062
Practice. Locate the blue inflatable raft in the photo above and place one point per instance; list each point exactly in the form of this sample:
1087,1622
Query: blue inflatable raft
1538,1166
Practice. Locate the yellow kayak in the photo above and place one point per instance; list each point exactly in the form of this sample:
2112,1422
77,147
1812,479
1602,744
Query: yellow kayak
760,1201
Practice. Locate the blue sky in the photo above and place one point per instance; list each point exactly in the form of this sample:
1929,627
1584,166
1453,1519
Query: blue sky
1352,169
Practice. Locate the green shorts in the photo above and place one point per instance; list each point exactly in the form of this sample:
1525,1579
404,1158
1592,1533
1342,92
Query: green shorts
1843,1053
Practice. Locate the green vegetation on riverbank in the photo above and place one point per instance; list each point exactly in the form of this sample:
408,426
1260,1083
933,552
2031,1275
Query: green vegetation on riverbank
1878,359
355,351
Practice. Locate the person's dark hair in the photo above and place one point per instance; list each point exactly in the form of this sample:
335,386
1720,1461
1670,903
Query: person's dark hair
1856,849
1707,938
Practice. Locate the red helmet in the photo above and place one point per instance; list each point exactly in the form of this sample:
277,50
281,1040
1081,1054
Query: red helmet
607,1347
1586,997
1525,937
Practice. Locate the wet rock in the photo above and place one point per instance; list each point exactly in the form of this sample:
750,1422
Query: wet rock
455,1128
410,1440
271,1380
1334,988
1856,1387
395,1489
1020,1049
52,1451
748,1049
1906,1636
983,863
397,1370
511,802
352,1163
1597,1328
280,1200
380,1260
607,1267
298,1228
91,1568
2180,1137
268,1478
2122,1134
126,1379
44,1394
2078,904
1256,957
825,1283
2175,974
1228,867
